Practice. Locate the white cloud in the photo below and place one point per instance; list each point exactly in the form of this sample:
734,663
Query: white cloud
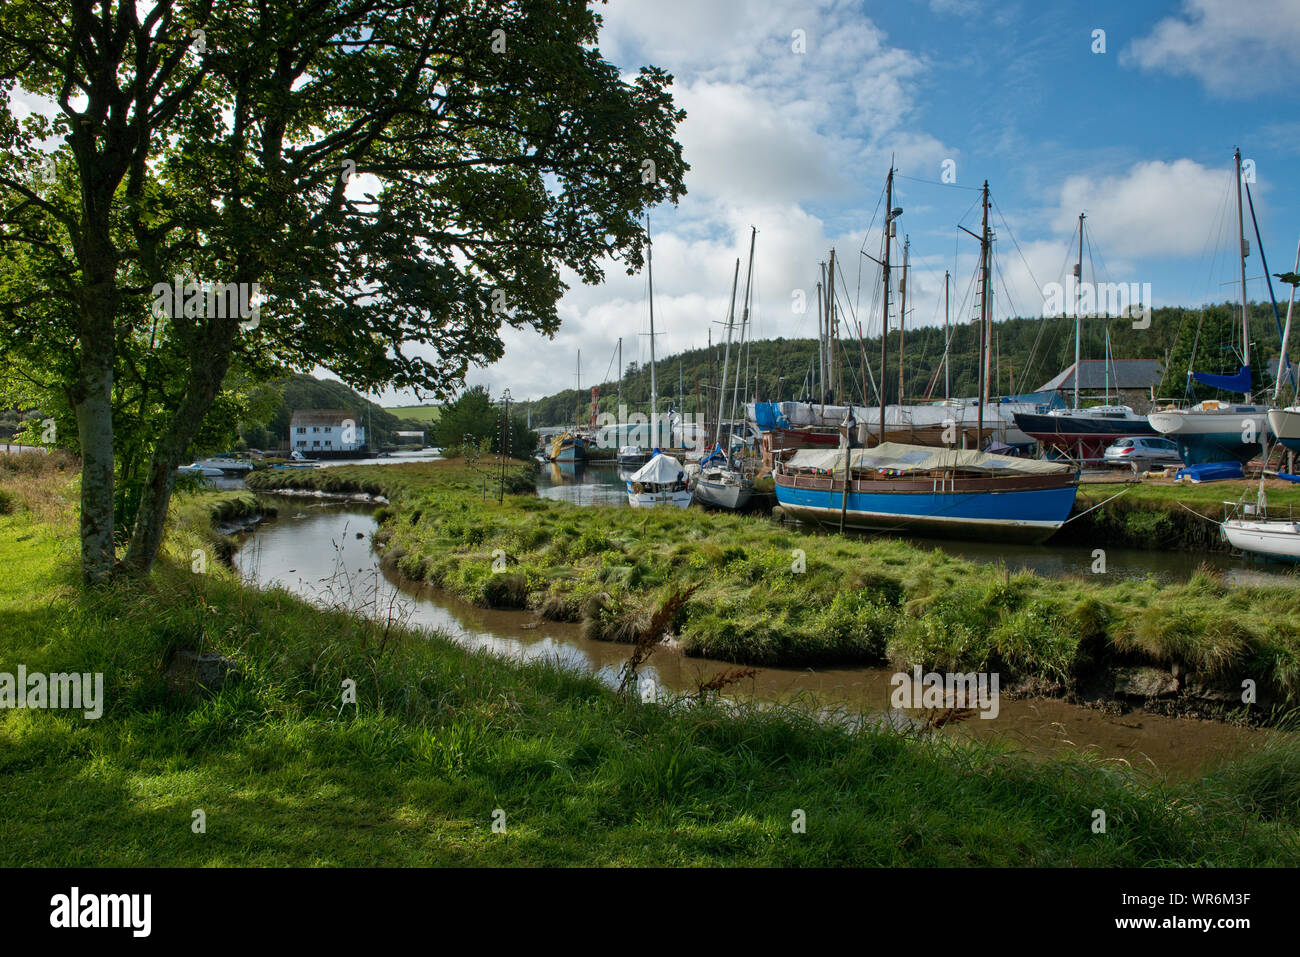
1154,209
1235,49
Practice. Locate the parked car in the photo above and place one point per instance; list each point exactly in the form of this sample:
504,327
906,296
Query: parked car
1142,453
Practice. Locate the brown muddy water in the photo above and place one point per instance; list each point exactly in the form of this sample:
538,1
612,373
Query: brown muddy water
322,552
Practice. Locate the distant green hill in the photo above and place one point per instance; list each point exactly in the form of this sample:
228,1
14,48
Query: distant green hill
426,414
1028,352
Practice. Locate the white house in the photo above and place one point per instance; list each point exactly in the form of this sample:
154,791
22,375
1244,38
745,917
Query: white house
326,430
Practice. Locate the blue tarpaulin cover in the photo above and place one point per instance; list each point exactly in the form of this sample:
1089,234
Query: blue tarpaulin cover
1229,383
1211,472
768,416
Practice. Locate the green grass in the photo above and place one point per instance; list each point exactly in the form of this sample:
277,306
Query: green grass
856,600
442,738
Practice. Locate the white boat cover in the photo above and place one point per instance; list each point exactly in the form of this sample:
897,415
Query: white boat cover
660,470
899,458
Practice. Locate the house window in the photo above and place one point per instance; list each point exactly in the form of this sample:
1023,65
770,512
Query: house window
328,429
302,430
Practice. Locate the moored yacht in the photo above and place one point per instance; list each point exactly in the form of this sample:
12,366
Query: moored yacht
661,481
1088,431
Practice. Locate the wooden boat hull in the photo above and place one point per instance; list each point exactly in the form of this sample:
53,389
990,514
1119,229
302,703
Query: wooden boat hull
1026,509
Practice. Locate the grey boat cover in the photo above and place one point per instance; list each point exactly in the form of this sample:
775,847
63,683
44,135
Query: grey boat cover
899,458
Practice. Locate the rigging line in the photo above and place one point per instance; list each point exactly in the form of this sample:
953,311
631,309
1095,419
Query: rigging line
930,182
1267,279
880,199
612,356
862,349
1093,256
1015,241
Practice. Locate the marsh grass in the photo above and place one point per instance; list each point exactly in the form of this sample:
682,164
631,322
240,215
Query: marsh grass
856,601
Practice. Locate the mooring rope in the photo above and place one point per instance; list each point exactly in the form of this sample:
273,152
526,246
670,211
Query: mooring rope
1099,505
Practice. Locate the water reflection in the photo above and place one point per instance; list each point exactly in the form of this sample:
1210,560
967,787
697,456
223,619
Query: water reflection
582,483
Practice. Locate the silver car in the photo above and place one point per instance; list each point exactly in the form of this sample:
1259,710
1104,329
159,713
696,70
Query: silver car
1142,453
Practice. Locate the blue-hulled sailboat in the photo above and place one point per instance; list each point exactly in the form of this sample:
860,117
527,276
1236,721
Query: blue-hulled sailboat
922,489
958,493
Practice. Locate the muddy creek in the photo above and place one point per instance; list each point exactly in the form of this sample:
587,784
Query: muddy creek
322,552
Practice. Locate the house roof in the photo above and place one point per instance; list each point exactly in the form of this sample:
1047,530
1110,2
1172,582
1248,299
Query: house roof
1114,374
322,417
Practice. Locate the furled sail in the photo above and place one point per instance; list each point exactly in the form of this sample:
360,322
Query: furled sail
1229,383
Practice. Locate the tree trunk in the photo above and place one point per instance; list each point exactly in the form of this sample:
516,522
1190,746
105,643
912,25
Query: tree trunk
155,496
93,403
95,430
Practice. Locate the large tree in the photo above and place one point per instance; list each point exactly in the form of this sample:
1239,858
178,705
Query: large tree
400,178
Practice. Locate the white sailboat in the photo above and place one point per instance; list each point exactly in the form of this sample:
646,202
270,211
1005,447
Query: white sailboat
1272,539
1214,430
721,484
1251,530
661,481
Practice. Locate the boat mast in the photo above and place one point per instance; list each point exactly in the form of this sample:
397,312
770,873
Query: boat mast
654,389
1244,251
983,323
820,337
619,430
884,316
1078,319
902,314
744,323
947,343
1286,336
832,330
726,356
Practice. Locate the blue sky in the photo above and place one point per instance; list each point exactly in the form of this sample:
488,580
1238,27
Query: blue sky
1140,136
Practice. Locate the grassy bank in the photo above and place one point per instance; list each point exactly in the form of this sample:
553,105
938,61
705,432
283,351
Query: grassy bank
771,595
441,739
1161,515
395,481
